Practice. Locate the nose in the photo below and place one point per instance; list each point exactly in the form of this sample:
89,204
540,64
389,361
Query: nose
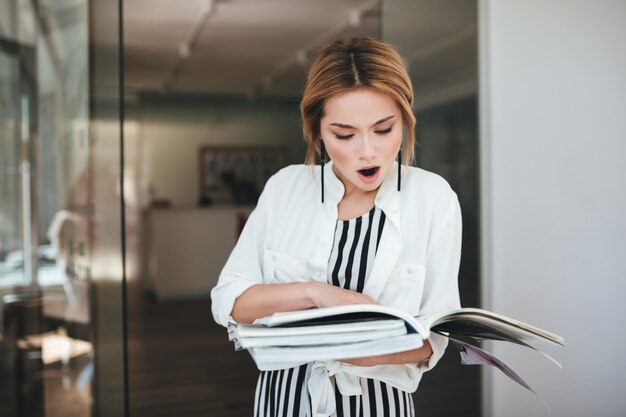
366,149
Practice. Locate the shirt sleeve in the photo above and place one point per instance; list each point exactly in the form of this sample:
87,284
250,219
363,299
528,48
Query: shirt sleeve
244,267
441,287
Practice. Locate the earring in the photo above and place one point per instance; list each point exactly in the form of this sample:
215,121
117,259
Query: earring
322,162
399,166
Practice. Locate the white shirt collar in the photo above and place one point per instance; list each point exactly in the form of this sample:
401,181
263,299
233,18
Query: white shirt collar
387,197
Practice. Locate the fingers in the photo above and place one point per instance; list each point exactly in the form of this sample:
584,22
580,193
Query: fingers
363,298
333,296
370,300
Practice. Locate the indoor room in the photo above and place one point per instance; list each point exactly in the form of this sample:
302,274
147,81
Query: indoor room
143,227
200,87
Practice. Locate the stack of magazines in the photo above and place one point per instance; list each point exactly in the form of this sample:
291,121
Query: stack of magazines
292,338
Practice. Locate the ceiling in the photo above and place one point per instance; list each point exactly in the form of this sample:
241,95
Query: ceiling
261,47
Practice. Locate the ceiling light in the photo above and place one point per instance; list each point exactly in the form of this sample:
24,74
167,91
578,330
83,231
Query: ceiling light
354,18
184,51
301,57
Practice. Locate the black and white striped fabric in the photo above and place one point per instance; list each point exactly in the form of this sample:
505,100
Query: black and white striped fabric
354,248
284,393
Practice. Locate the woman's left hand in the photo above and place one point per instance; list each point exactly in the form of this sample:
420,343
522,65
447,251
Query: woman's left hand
415,356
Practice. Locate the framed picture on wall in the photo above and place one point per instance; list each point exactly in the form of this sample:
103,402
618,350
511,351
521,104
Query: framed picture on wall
237,174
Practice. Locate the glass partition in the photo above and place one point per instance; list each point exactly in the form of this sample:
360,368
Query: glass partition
14,188
61,268
438,40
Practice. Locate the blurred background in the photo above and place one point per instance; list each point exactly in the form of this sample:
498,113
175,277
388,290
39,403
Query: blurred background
136,136
214,88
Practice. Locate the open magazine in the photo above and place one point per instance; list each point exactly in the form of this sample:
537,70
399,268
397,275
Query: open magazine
288,339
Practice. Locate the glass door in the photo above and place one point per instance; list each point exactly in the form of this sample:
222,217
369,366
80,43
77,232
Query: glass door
61,249
11,263
17,263
22,389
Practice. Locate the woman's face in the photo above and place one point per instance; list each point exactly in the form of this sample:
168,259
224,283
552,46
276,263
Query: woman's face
362,132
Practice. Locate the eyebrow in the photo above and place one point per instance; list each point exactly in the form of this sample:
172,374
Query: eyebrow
345,126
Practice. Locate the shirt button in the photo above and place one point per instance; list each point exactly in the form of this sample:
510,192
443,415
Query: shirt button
410,271
274,258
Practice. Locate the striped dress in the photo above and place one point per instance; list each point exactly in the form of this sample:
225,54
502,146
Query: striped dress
284,393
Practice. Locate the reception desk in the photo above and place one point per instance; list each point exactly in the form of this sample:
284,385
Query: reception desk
187,248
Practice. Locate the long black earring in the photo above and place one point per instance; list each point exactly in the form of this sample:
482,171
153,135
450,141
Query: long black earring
322,162
399,166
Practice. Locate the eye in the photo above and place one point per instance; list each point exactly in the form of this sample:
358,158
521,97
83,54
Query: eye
384,131
343,137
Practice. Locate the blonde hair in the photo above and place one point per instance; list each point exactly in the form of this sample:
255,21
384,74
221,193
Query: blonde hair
357,63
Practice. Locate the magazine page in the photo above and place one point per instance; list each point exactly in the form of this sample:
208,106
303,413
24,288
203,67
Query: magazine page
272,358
320,339
346,314
485,324
257,330
473,355
478,328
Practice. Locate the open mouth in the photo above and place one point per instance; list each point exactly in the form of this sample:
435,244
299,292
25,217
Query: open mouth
368,172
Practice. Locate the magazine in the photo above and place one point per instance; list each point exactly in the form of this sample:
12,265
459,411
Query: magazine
288,339
473,322
246,337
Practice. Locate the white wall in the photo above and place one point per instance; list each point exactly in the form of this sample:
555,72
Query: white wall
553,121
172,130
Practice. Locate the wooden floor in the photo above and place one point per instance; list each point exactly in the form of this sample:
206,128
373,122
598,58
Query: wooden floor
181,364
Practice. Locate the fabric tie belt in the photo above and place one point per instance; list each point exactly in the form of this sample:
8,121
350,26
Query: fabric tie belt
347,378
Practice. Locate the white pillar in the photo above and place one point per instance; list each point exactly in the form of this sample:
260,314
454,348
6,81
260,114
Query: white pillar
553,160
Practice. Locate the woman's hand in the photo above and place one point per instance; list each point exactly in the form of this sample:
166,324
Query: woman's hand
327,295
417,356
262,300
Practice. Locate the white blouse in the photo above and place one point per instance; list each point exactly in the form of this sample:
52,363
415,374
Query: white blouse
289,235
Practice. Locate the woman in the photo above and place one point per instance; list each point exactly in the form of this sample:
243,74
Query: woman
361,228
